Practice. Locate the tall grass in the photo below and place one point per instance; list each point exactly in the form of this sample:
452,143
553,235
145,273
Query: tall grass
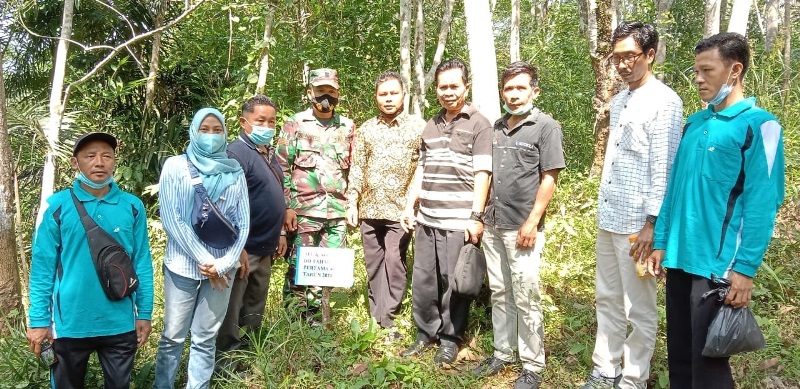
350,351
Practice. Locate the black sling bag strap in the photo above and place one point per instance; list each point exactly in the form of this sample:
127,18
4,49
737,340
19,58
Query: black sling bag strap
113,264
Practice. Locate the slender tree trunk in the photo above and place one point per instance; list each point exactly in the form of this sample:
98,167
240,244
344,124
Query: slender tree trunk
418,100
606,85
773,23
544,8
10,298
740,13
663,20
482,58
583,13
56,108
422,78
263,68
591,25
711,24
514,39
150,89
23,259
405,48
787,50
444,29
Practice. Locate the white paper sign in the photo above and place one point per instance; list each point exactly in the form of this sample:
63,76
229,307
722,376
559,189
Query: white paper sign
322,266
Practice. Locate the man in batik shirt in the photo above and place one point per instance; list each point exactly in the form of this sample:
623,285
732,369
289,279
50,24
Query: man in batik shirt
384,159
314,153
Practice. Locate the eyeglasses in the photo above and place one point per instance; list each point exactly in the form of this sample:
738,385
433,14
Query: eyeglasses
627,60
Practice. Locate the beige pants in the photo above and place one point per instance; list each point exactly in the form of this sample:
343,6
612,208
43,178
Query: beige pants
517,317
622,297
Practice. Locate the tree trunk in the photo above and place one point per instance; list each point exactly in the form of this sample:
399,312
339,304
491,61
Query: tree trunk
606,84
263,69
152,76
10,298
418,100
583,13
514,39
787,50
591,24
482,58
740,13
56,108
711,24
662,21
544,8
405,49
444,29
773,23
422,78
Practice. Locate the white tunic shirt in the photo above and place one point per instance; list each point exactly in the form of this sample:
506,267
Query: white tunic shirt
646,127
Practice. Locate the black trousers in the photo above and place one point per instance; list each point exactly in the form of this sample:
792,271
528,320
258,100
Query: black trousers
688,318
439,312
385,248
115,353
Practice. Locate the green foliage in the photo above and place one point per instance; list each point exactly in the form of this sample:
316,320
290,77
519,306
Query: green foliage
212,60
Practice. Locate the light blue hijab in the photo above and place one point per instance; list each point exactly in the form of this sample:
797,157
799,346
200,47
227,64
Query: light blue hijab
216,169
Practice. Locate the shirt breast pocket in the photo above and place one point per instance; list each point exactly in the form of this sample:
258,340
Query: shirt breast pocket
306,156
342,155
721,163
527,160
461,142
634,138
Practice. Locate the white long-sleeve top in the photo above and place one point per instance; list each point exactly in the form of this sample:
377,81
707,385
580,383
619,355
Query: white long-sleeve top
646,127
185,251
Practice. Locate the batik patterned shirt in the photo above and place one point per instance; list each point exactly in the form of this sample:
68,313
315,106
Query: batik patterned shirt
314,156
385,156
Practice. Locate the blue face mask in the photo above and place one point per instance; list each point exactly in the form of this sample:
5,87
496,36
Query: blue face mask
86,181
521,110
261,135
724,91
211,143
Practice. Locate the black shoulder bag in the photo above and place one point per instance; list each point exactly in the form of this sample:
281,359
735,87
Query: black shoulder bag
113,264
208,222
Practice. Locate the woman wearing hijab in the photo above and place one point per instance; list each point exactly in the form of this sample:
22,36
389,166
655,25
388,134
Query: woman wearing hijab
197,277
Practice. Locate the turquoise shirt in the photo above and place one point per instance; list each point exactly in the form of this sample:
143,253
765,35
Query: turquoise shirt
73,304
724,191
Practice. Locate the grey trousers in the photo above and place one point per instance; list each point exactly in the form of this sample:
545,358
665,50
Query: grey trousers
439,313
247,303
385,248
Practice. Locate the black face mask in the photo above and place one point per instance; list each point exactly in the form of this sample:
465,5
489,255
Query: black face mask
325,103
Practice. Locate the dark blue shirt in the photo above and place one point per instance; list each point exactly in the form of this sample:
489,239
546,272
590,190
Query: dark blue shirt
267,207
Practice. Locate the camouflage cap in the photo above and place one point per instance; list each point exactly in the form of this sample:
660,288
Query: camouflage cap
324,76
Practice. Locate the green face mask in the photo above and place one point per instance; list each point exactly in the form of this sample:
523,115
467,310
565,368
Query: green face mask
521,110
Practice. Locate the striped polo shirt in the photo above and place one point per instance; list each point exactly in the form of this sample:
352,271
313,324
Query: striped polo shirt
450,154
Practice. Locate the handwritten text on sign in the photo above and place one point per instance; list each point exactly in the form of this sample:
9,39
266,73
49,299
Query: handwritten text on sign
321,266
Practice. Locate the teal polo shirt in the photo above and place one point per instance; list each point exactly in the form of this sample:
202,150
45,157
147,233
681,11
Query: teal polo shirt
725,188
71,301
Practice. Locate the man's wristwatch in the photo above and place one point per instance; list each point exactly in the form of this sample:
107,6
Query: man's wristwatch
477,216
651,219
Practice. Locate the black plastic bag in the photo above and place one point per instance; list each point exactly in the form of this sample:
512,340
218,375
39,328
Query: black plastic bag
733,330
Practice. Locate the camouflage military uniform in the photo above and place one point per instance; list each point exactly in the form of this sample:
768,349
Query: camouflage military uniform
315,159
